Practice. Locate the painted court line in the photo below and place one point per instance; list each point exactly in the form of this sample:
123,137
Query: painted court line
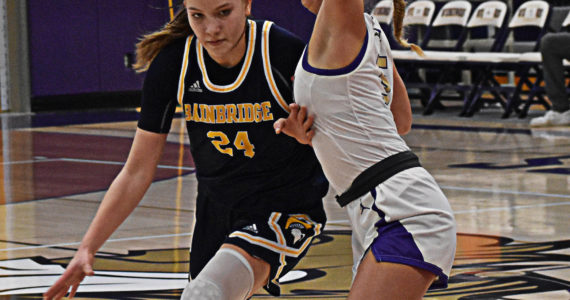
493,191
110,240
468,211
89,161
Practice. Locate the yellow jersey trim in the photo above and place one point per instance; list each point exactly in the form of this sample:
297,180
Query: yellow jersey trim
244,70
183,70
267,67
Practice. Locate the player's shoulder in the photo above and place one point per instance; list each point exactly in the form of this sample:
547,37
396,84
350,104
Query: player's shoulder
168,60
174,51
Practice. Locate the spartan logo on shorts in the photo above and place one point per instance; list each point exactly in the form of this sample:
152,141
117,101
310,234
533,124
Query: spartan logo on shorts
297,227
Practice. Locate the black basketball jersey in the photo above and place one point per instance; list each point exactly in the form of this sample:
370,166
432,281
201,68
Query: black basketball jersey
240,161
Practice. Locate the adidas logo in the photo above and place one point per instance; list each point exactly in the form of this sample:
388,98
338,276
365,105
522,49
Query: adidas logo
195,87
251,228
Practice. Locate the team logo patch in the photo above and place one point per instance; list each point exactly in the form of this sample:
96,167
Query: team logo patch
297,235
382,62
297,227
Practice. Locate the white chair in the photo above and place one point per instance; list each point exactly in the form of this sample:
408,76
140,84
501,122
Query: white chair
531,14
446,33
383,12
419,15
566,22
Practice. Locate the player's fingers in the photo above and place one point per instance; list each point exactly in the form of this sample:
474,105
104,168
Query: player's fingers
73,290
302,113
308,122
294,107
56,288
88,270
279,125
310,135
61,293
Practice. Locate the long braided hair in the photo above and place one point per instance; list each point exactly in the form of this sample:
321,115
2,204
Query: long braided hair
398,23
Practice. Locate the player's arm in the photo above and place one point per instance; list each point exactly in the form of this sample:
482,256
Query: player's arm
123,196
338,34
400,107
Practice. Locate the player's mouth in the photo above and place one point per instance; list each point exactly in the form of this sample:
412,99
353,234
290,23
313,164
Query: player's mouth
215,43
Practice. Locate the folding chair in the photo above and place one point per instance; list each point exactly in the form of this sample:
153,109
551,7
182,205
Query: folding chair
417,21
485,31
419,15
383,12
447,33
527,27
534,60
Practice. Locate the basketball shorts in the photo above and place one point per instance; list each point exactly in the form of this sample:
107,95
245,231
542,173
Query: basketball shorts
281,239
408,220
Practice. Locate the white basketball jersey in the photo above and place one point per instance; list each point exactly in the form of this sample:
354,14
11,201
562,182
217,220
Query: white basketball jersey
354,125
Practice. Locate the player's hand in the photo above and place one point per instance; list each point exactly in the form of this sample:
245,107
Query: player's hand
80,266
297,125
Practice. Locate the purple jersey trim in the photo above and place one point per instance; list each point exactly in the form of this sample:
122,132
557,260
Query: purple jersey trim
335,72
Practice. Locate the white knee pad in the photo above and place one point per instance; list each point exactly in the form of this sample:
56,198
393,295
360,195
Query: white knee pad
227,276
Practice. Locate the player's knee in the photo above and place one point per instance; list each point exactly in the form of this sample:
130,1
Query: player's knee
202,289
227,276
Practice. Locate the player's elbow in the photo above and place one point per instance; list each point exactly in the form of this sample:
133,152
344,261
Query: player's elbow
404,130
403,126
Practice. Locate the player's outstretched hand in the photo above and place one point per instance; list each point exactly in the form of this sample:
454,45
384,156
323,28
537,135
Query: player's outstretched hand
80,266
297,125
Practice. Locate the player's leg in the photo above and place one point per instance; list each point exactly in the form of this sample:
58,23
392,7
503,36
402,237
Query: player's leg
555,47
409,237
232,274
217,272
384,280
259,267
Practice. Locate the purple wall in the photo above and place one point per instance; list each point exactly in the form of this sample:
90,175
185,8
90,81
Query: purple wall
296,19
77,47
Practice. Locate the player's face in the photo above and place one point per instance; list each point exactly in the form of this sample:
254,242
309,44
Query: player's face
312,5
219,25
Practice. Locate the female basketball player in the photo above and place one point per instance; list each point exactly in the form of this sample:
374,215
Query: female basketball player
259,200
403,227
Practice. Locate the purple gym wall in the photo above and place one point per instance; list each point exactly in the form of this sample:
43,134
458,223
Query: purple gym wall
296,19
77,47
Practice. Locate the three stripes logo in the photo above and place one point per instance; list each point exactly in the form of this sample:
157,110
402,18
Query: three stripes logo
195,87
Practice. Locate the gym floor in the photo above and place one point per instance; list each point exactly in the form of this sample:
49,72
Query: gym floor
507,183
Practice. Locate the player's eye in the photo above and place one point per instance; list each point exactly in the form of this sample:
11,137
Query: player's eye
225,12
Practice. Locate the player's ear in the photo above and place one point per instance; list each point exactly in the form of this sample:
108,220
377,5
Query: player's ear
248,7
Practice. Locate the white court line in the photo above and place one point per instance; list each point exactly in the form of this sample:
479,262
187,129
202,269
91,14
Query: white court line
459,212
111,240
90,161
104,162
493,191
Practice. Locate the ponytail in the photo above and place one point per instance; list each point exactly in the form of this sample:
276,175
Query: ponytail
399,13
151,44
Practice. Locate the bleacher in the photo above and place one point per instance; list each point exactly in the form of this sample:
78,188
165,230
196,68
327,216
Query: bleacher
477,52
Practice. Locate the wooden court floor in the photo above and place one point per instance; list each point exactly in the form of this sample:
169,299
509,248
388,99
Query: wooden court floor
508,186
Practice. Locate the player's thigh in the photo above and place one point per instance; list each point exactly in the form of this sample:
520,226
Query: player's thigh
384,280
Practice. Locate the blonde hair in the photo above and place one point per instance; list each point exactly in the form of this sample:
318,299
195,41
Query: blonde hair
398,23
150,44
